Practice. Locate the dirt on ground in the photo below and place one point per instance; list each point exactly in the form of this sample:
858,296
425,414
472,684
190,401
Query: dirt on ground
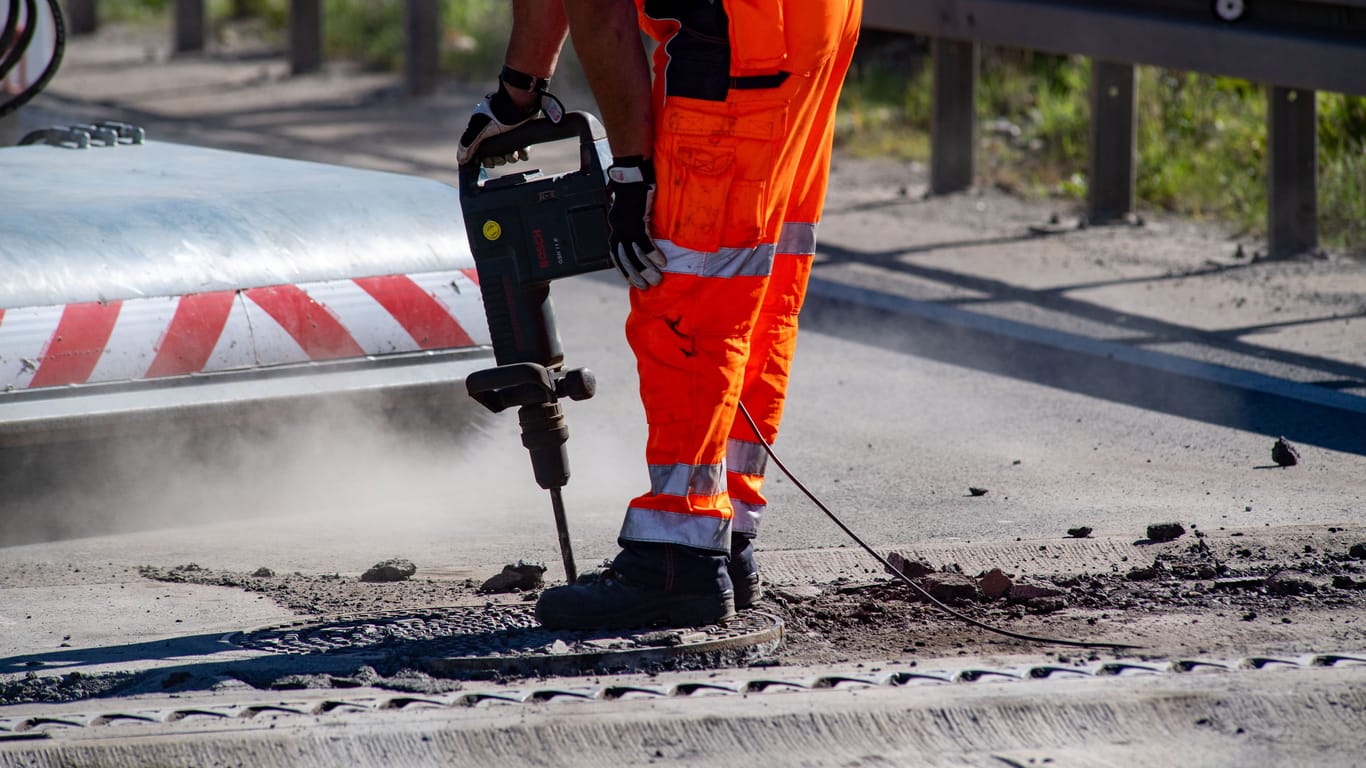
1227,594
1273,592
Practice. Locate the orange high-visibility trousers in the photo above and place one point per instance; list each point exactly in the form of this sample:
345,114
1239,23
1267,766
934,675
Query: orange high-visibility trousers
745,94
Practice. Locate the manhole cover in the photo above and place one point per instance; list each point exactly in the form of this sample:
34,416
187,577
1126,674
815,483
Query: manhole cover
505,639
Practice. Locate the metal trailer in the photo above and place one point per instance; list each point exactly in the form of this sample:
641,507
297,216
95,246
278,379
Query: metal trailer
147,286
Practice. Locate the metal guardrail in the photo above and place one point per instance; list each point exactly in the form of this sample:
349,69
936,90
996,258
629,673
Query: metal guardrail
1294,46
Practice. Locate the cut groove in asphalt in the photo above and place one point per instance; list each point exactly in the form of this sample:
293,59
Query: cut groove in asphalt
492,640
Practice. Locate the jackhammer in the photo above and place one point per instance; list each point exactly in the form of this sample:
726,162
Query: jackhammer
525,230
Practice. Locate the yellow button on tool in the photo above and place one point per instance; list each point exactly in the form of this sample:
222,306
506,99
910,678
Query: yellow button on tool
492,231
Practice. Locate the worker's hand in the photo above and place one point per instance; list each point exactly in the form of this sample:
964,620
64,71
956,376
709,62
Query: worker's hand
631,180
496,114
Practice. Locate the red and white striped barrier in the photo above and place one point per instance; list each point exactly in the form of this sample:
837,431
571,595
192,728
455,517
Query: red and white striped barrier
235,330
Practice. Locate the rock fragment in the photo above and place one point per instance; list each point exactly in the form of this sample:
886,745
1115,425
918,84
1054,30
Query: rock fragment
1342,581
263,573
913,569
1080,532
1166,531
521,576
1143,573
1358,551
793,594
1288,584
396,569
949,587
976,491
994,584
1284,453
1032,590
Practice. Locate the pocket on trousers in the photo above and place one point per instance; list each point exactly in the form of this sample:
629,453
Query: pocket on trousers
707,207
715,167
757,34
699,184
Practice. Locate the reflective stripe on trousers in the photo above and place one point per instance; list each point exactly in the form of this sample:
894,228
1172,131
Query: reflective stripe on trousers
745,464
678,508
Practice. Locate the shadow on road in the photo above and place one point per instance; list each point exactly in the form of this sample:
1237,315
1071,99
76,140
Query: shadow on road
1151,380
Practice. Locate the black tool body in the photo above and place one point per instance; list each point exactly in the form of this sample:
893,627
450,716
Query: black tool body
527,229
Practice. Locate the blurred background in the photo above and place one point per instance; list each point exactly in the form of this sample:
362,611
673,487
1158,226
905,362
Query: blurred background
1202,140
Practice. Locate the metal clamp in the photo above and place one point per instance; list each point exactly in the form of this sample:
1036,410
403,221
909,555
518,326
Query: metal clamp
106,133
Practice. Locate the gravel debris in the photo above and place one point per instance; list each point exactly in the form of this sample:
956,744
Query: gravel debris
1166,531
994,584
912,569
1284,453
396,569
517,577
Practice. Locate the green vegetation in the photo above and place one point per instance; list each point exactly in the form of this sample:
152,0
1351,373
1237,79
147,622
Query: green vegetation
1201,139
365,31
371,31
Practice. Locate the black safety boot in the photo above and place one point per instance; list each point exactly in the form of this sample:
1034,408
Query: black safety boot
744,571
646,585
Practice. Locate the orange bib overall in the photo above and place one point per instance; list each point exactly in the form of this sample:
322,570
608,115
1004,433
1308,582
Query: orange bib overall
744,106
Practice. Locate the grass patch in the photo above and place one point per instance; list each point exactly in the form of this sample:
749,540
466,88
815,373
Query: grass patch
365,31
1201,139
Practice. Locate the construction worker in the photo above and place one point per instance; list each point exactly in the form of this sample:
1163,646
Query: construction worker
718,180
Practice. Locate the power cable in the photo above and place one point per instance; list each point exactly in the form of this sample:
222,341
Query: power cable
16,52
903,577
15,47
11,22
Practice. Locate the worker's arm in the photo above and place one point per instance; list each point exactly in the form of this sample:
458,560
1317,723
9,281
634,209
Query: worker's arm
606,37
538,32
539,28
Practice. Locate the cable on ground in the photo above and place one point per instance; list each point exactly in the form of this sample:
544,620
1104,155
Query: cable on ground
908,581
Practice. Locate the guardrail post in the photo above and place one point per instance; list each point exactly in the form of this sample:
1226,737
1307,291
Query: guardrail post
190,25
1110,186
1292,194
305,36
953,135
80,16
422,44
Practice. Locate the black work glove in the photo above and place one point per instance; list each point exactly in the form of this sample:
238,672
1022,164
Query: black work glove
498,113
631,180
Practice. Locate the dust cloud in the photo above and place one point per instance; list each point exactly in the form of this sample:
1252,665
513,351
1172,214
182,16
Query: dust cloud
339,464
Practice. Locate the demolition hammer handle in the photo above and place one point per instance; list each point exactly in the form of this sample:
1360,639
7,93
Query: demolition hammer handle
539,131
